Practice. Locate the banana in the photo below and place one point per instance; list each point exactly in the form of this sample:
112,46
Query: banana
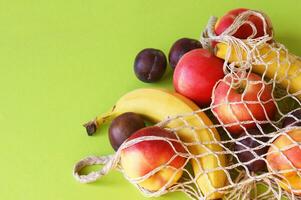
287,73
157,105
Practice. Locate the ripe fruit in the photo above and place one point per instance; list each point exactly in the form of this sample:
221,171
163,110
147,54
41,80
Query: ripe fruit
289,159
179,48
196,74
249,146
236,104
123,127
143,157
245,30
287,74
156,105
293,119
150,65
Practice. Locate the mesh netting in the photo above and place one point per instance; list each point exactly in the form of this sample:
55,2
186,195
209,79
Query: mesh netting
265,161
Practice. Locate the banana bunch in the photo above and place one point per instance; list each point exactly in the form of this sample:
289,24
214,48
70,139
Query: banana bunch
157,105
280,65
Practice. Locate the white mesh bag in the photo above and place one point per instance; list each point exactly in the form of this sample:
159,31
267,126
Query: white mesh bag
269,161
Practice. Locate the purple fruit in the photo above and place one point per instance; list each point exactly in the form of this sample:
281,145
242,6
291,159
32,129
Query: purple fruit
250,143
123,126
293,120
150,65
179,48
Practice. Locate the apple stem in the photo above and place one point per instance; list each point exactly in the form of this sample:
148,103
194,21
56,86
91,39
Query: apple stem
240,90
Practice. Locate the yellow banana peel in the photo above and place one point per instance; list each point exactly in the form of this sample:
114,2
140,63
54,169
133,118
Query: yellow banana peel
270,61
156,105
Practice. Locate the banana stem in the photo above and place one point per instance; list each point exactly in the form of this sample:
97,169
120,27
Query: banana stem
93,125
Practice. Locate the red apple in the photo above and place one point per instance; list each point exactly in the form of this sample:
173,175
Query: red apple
196,74
145,156
235,102
289,159
245,30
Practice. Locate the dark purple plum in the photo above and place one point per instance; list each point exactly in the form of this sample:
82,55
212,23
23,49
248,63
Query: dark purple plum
123,126
150,65
291,121
246,155
179,48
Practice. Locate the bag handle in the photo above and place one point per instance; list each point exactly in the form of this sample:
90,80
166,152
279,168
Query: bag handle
109,163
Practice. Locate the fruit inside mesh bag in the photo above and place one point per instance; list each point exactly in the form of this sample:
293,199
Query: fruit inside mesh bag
244,145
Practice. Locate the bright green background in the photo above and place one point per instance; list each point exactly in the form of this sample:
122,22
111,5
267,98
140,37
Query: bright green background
63,62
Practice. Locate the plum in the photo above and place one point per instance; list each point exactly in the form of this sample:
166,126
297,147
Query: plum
244,149
179,48
123,126
150,65
293,120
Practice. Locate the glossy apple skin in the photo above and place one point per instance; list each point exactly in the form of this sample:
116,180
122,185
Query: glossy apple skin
278,162
245,30
196,74
143,157
238,107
